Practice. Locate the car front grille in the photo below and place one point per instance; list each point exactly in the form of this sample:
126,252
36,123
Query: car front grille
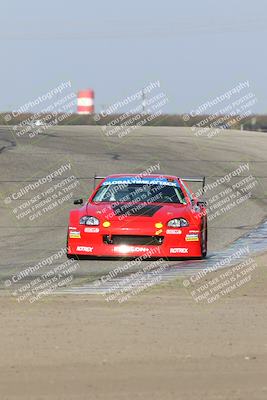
133,240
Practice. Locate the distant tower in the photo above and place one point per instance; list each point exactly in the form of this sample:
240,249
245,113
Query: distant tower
85,102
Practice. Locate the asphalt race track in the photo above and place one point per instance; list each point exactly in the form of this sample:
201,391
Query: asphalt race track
86,150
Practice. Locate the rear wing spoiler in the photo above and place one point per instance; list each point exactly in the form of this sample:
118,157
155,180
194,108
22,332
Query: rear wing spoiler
96,177
201,179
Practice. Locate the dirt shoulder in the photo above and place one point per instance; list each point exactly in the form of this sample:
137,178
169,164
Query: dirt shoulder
161,344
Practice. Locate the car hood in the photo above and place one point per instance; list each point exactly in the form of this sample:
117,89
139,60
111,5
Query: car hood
114,211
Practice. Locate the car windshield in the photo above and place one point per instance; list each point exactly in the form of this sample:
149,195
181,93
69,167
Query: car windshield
139,193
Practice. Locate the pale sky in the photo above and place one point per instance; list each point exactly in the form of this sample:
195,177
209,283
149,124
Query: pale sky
197,49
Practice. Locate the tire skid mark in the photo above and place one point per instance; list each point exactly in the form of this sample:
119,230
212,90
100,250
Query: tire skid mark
11,144
255,241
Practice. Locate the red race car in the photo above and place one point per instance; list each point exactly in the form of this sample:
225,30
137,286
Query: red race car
139,216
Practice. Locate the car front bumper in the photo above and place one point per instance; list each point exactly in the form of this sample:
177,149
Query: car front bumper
133,242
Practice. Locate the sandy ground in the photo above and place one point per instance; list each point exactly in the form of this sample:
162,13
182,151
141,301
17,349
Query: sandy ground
158,345
88,150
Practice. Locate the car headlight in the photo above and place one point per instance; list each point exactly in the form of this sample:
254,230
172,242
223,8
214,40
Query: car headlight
177,223
87,220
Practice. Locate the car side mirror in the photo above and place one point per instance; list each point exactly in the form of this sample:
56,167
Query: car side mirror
78,201
202,203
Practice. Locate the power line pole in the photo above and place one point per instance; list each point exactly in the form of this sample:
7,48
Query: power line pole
143,101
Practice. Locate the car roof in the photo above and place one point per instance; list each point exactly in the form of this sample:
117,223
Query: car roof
143,175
